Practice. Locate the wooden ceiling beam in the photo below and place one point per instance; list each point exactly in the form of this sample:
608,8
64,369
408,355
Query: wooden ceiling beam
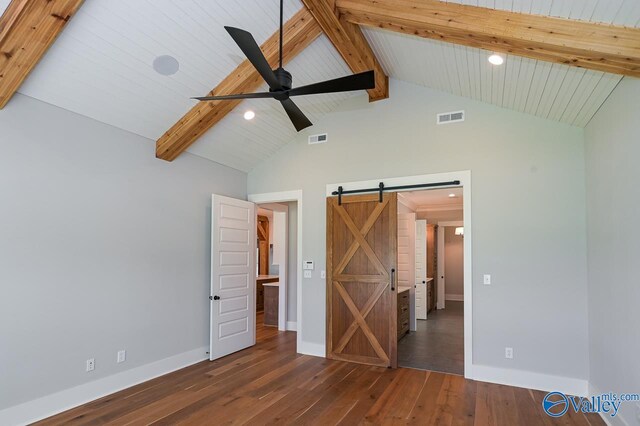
27,29
351,44
599,47
299,32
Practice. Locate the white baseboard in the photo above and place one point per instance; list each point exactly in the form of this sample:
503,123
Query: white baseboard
58,402
292,326
530,380
314,349
454,297
618,420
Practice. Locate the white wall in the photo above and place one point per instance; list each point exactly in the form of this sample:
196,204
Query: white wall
612,153
528,203
102,248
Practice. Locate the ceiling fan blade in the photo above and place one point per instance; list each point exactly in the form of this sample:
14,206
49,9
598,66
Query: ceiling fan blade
362,81
258,95
299,120
250,48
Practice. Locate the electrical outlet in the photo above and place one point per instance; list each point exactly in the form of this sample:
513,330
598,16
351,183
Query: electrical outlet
508,353
122,356
487,279
307,274
323,274
91,364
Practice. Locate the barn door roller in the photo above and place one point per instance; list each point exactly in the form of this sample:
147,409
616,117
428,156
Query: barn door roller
381,188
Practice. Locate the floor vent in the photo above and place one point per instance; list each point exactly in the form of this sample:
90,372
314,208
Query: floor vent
450,117
315,139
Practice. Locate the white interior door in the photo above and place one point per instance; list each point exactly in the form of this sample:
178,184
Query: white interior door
440,302
233,277
421,269
406,261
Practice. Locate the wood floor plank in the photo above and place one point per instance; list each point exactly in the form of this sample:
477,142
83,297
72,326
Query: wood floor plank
337,404
426,404
270,384
368,398
285,412
529,409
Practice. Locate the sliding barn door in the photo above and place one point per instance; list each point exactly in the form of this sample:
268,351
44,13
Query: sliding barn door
361,290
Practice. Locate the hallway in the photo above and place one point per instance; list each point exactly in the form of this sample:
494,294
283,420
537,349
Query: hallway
438,342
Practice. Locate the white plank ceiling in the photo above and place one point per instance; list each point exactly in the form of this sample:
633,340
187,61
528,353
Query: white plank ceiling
554,91
101,67
617,12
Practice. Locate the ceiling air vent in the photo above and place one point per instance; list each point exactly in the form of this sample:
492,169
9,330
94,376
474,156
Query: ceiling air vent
450,117
315,139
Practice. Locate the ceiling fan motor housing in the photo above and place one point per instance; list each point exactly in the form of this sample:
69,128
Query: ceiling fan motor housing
284,78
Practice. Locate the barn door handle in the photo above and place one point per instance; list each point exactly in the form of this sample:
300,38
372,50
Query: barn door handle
393,278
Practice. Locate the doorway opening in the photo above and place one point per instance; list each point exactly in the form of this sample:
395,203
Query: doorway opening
431,280
372,233
276,275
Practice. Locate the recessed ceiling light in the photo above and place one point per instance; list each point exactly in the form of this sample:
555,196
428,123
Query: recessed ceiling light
452,195
166,65
496,59
249,115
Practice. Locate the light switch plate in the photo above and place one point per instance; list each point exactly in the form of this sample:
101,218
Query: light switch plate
307,274
323,274
487,279
508,353
122,356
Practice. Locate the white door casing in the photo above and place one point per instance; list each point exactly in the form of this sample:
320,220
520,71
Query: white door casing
233,278
421,269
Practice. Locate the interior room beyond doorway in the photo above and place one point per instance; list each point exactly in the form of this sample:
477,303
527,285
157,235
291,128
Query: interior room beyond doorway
431,280
276,255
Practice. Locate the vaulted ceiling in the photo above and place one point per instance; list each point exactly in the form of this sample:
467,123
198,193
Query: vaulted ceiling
101,67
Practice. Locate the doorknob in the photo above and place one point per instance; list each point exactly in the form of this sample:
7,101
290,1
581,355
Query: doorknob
424,282
216,297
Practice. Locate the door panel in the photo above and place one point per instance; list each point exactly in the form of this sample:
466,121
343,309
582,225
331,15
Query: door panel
233,277
407,261
421,269
361,302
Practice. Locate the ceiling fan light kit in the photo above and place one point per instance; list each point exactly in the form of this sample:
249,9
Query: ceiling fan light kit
280,80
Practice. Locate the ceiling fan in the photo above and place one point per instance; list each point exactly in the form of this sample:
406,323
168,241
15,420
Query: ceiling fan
279,80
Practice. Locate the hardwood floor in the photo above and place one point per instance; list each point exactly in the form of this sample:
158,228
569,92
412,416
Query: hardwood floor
438,342
271,384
